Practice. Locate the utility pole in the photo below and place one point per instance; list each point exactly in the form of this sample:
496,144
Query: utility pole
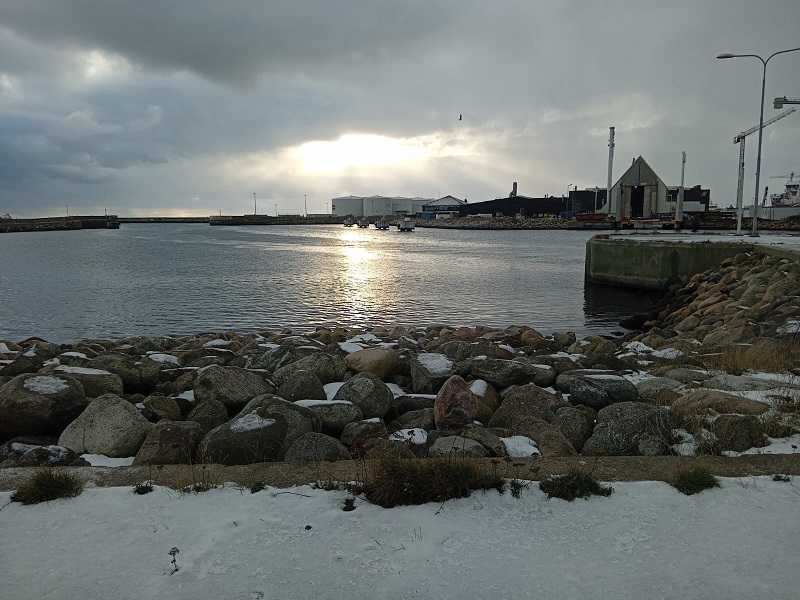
255,206
610,166
679,209
305,204
276,209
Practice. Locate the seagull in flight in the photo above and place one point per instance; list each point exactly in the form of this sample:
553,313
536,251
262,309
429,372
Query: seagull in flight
460,116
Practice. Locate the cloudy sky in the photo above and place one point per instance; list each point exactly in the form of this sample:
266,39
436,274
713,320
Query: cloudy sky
155,107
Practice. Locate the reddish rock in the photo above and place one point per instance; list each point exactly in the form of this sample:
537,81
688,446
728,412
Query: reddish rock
456,406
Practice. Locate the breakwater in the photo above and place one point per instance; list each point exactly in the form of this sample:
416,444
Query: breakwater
8,225
651,264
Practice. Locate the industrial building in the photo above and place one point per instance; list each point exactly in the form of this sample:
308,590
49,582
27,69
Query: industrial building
377,206
644,195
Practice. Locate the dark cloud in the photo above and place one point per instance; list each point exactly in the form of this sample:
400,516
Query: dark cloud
156,106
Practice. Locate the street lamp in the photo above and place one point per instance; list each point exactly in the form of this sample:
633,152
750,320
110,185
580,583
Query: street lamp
760,124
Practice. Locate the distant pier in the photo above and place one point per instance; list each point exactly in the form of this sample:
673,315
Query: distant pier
59,223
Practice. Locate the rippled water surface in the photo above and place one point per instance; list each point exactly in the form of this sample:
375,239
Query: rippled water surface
157,279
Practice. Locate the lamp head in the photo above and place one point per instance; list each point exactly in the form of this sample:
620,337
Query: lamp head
725,55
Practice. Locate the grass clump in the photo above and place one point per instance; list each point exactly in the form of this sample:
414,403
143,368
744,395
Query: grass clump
44,486
256,486
694,480
577,483
398,482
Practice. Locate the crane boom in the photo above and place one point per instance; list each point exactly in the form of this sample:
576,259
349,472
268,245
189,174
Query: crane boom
744,134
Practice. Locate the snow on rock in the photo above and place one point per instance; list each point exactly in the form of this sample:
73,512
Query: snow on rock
250,422
668,353
414,435
365,337
217,343
520,446
789,327
101,460
332,388
162,358
309,403
187,395
75,355
44,384
478,387
81,370
435,363
350,347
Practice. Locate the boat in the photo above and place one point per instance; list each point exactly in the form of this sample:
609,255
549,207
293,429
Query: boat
348,221
382,223
363,222
785,204
407,224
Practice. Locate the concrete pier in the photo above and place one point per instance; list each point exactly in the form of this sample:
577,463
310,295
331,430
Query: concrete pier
649,263
59,223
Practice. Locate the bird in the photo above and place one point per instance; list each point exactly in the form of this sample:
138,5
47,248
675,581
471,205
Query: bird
460,116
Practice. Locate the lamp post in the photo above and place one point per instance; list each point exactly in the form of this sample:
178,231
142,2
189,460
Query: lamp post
255,206
760,124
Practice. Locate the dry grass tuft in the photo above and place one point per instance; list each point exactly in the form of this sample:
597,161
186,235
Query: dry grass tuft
398,482
47,485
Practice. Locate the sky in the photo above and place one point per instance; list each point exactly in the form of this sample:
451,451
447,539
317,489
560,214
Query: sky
191,108
645,540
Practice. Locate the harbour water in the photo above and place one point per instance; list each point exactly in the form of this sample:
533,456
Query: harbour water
157,279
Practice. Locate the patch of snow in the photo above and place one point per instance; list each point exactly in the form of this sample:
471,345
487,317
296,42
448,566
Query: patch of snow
668,353
790,327
23,448
4,349
43,384
30,353
506,347
52,362
75,355
638,347
479,387
350,347
605,376
396,390
187,395
250,422
309,403
520,446
81,370
269,345
217,343
365,337
435,363
415,435
101,460
162,358
332,388
372,420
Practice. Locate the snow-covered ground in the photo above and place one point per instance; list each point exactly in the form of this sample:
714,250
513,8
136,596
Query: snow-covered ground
644,541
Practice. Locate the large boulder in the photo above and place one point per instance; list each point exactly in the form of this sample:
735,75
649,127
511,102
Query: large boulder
110,426
96,382
738,433
524,400
429,371
249,438
488,439
456,406
164,408
299,419
232,386
576,425
170,443
486,393
503,373
328,367
381,362
139,376
302,385
368,429
631,429
456,447
368,392
334,414
32,404
209,414
702,402
599,391
51,456
316,447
